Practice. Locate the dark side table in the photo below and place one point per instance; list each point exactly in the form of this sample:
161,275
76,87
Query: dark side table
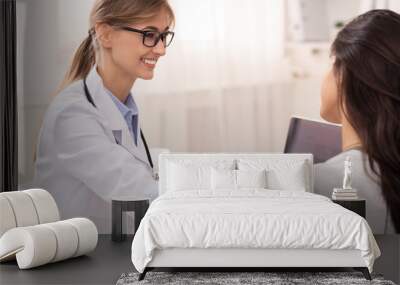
357,206
124,204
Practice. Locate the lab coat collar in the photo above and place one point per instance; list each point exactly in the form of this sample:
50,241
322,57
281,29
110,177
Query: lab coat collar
116,121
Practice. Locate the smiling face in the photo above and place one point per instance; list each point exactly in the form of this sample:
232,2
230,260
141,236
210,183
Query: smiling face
330,110
126,52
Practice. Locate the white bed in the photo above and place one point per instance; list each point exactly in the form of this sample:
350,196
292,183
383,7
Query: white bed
268,218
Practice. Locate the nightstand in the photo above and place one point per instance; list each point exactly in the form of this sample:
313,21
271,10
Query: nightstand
124,204
357,206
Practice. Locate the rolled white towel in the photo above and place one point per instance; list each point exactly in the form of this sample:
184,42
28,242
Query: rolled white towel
40,244
67,239
87,234
7,220
23,208
45,205
32,246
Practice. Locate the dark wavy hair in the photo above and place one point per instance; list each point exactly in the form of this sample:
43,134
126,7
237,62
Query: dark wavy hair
367,69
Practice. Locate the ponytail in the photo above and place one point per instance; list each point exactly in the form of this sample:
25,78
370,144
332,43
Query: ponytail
83,61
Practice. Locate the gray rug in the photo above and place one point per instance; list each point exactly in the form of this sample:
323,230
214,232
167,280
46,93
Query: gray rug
229,278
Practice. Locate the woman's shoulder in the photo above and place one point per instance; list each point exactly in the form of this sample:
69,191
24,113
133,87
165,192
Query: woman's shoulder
331,171
71,93
69,102
335,165
71,97
356,156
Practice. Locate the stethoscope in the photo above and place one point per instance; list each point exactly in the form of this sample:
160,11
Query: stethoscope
90,99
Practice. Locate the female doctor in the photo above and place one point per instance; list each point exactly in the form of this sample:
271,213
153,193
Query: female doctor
91,147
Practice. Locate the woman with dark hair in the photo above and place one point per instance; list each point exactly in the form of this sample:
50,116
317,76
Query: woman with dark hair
362,92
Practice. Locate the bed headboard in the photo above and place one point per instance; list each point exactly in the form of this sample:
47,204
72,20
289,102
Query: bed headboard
235,160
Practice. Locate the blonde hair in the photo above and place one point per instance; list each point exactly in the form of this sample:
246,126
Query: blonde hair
113,13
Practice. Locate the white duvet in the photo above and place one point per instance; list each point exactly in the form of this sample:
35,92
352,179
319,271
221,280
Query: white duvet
250,219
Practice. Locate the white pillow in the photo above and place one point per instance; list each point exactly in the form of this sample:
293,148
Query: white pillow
251,178
281,174
188,177
238,179
223,179
290,176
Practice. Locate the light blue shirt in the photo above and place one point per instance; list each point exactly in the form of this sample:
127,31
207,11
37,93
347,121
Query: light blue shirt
130,112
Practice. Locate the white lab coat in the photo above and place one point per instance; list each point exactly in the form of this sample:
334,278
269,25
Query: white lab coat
79,161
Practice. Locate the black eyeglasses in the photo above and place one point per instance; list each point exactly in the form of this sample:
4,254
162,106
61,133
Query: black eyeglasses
151,38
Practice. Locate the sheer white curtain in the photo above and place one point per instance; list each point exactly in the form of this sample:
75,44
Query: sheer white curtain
223,84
